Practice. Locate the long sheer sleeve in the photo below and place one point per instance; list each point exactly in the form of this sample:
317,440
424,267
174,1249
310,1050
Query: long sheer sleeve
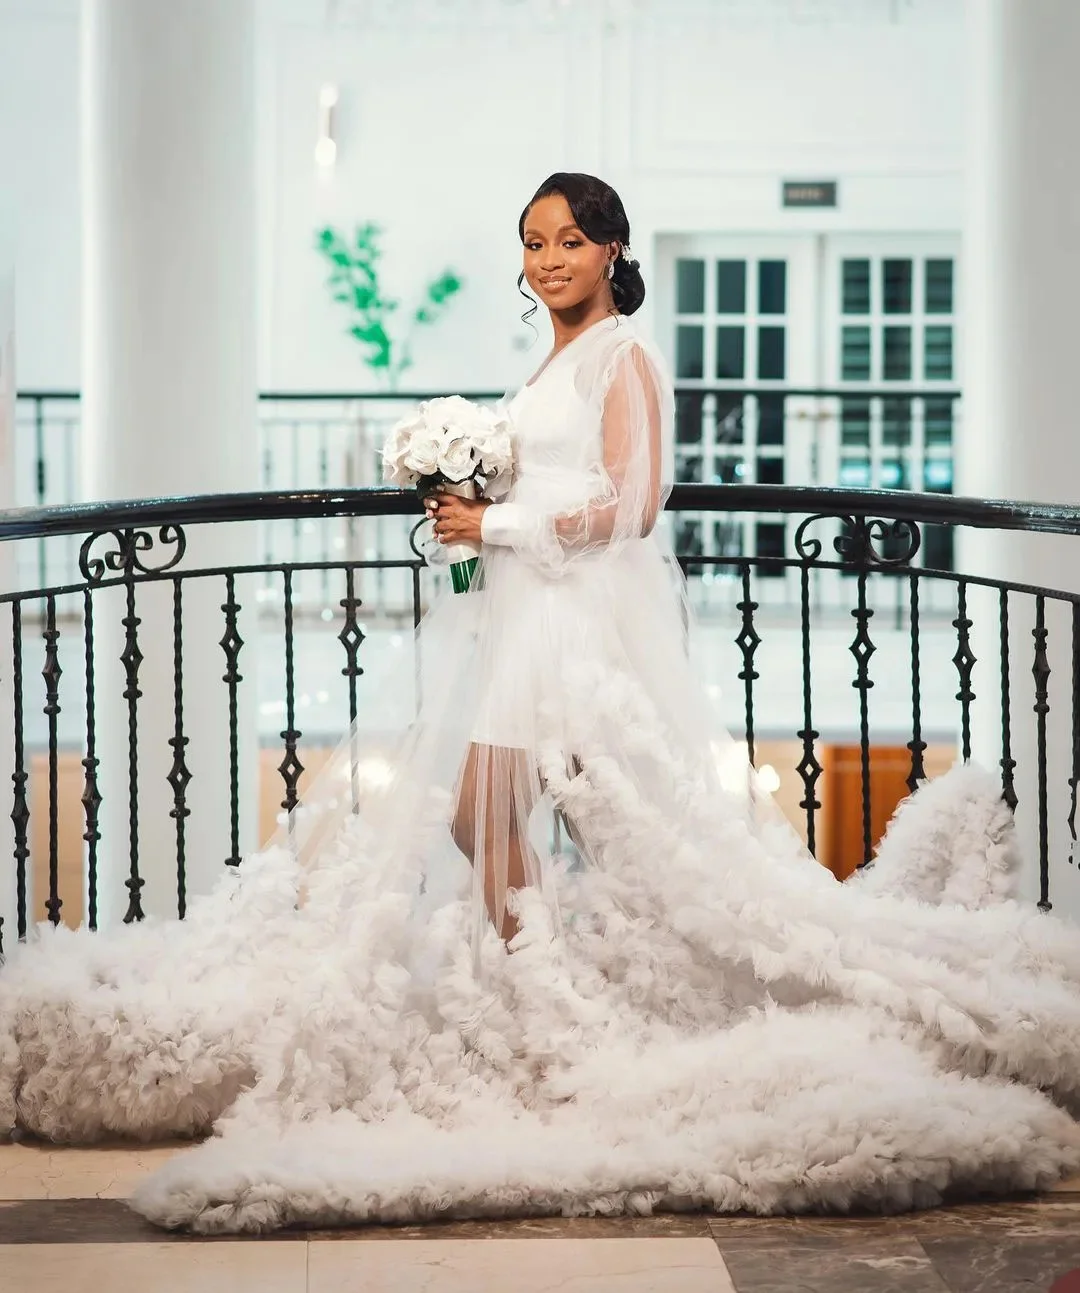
632,398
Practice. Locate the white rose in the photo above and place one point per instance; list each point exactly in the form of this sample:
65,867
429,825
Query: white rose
396,473
396,450
496,450
423,455
452,412
456,461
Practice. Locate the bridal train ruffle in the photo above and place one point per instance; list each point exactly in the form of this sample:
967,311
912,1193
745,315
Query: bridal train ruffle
791,1044
694,1014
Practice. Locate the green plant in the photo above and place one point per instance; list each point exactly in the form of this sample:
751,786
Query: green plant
354,281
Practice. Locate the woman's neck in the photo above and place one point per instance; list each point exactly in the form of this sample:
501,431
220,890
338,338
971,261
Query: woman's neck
571,323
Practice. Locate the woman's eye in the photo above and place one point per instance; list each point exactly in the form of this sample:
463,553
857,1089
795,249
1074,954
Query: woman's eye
532,246
571,242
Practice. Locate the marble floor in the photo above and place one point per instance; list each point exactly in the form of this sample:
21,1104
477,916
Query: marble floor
65,1228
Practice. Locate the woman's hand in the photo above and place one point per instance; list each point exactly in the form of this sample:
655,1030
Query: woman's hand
457,520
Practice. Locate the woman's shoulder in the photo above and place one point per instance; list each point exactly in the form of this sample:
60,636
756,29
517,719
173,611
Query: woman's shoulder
619,350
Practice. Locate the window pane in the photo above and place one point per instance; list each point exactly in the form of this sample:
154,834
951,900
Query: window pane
688,468
728,536
937,356
729,419
855,354
770,471
688,539
730,352
855,423
688,418
769,542
894,474
770,354
896,422
896,286
772,286
938,422
855,473
937,547
689,351
938,475
690,286
728,471
770,419
939,287
856,286
731,287
897,354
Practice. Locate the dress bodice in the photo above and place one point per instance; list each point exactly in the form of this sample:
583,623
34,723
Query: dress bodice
558,450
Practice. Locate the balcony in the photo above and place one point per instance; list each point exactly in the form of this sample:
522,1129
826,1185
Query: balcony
850,665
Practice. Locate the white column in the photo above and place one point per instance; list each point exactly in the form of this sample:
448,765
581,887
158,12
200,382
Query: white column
1021,276
169,388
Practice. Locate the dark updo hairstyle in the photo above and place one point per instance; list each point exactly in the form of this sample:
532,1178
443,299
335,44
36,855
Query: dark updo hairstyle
600,215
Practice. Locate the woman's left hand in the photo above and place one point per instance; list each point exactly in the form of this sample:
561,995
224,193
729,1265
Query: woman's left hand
457,520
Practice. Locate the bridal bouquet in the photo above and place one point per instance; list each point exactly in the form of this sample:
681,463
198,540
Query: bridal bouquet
464,447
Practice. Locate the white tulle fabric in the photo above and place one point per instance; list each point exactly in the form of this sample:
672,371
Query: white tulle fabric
693,1013
574,576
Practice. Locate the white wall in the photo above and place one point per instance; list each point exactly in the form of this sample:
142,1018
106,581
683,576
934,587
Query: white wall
452,112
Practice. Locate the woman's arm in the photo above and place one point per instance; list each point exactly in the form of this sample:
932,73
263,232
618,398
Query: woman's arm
630,491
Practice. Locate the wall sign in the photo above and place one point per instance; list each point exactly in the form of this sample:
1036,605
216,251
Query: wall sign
809,193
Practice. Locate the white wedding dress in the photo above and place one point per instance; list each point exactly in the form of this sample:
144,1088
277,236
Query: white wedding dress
693,1014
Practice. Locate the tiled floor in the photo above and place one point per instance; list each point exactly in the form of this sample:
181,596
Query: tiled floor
64,1228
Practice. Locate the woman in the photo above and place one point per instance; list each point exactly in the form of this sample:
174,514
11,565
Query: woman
558,962
565,568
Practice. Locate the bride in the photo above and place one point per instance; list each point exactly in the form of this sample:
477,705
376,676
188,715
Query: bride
562,960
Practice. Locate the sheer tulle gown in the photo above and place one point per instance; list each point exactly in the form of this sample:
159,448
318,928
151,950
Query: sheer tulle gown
692,1013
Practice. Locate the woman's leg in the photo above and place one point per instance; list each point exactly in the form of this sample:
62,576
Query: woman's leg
497,791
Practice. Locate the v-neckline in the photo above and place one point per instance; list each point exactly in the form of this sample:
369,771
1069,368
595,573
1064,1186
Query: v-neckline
569,345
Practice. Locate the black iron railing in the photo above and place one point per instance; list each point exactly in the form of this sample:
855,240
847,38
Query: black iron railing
726,433
93,627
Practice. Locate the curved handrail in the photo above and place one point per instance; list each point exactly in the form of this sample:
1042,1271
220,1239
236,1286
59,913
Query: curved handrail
212,509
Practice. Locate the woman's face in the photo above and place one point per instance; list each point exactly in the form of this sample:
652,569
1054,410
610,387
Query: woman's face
561,265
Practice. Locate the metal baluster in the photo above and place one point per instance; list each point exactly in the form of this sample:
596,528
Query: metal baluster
40,482
748,642
51,672
20,811
1074,780
179,774
231,643
809,768
418,672
290,767
965,661
132,658
1041,673
350,637
1008,763
324,529
91,797
862,648
916,745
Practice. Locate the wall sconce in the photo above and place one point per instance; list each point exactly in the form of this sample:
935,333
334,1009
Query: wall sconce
326,146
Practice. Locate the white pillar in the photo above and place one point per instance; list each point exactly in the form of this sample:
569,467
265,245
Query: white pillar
169,388
1021,275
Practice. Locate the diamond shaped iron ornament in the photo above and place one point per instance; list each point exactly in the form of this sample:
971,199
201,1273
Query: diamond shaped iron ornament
291,769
